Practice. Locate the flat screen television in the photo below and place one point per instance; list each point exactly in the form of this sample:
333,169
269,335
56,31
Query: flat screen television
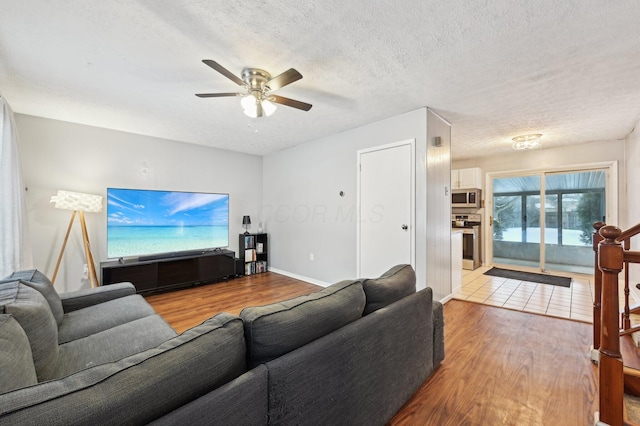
148,223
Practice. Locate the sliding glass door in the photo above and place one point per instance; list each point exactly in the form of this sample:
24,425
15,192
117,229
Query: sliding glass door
580,200
544,221
516,221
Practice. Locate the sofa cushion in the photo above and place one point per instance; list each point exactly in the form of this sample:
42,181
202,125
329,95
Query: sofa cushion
242,401
139,388
32,312
276,329
111,345
94,319
16,362
39,281
393,285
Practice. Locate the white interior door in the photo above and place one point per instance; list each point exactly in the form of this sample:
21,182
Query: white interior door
386,234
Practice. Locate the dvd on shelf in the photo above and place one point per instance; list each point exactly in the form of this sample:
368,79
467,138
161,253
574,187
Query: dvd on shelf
253,252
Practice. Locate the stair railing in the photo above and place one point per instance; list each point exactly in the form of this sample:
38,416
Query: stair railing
611,258
625,239
629,257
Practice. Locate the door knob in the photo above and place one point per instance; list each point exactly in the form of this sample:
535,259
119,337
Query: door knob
405,227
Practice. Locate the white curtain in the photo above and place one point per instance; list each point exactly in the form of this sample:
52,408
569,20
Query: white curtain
15,249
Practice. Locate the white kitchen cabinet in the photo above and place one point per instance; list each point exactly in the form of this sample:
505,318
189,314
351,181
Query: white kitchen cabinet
466,178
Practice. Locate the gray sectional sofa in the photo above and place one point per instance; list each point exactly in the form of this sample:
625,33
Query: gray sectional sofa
352,353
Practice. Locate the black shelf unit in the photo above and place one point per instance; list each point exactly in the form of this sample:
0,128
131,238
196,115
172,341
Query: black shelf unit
254,249
172,272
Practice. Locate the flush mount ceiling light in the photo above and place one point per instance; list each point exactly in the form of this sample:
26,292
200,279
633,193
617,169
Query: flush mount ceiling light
522,142
258,101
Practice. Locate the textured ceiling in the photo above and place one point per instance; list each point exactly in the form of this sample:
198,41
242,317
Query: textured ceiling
495,69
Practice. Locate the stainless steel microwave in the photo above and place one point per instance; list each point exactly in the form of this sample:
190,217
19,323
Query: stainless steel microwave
467,198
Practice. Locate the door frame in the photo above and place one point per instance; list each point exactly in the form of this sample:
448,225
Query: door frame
611,200
412,220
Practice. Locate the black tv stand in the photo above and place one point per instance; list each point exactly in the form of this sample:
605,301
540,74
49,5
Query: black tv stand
164,273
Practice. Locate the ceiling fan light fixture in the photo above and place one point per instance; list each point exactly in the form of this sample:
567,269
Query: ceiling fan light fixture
258,100
250,106
525,142
268,107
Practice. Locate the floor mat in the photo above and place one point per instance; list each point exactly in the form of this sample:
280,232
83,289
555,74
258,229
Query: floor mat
529,276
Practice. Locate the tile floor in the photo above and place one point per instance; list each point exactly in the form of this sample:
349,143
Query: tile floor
574,303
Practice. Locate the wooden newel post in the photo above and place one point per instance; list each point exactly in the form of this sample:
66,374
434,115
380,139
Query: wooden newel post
610,367
597,280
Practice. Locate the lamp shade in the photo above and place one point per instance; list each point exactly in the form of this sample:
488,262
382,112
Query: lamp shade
78,201
268,107
246,220
251,104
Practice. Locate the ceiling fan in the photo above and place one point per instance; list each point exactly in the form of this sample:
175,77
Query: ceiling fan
258,99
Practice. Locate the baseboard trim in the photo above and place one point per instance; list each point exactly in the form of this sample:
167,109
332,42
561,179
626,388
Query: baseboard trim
446,298
299,277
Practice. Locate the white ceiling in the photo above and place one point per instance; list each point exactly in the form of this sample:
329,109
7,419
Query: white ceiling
494,69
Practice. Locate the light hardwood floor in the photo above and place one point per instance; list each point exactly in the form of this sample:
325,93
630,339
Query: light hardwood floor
187,308
502,367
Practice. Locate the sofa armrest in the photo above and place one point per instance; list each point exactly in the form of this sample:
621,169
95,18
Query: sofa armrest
139,388
438,333
75,300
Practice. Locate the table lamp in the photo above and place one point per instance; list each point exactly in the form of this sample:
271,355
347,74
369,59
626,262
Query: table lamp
246,223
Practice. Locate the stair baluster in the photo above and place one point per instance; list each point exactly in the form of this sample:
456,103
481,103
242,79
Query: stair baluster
597,282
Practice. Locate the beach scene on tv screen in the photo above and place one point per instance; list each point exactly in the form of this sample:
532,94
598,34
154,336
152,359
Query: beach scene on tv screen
142,222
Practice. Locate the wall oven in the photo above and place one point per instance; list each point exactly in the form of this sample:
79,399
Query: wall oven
466,198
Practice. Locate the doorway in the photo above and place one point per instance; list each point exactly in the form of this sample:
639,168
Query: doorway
544,221
386,200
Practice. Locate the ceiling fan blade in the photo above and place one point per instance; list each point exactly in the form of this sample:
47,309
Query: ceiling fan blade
216,95
290,102
222,70
283,79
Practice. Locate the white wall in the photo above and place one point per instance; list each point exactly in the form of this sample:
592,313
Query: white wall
61,155
438,227
632,159
304,212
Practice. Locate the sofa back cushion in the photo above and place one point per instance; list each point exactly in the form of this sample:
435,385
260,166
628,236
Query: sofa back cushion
39,281
32,312
139,388
16,362
360,375
393,285
276,329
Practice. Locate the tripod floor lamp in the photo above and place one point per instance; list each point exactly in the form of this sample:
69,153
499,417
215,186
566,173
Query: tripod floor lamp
79,203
